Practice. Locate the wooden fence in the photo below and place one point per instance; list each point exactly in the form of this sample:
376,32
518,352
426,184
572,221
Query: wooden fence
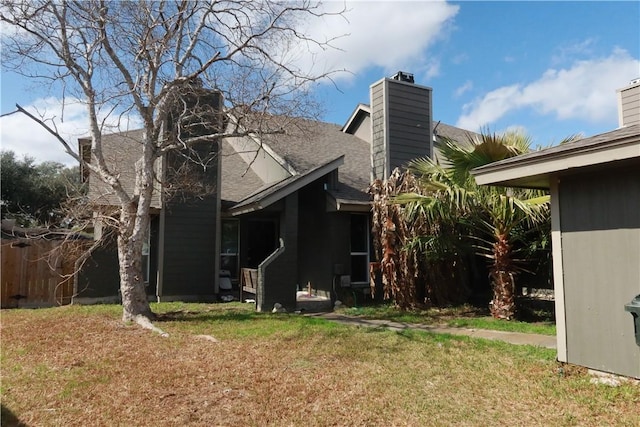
36,272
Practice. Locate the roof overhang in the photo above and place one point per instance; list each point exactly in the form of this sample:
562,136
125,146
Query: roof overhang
534,170
344,205
267,197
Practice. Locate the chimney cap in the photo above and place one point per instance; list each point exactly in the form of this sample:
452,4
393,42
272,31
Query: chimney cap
403,77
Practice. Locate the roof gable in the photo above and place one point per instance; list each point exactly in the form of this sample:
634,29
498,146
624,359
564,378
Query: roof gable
304,146
267,196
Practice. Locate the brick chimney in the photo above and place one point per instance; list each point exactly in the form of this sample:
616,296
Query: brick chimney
629,104
401,116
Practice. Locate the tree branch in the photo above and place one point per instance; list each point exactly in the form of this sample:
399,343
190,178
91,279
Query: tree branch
55,134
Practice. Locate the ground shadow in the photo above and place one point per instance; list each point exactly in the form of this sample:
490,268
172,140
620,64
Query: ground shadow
9,419
204,316
535,310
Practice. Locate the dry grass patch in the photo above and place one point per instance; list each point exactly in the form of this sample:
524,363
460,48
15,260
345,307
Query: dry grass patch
81,366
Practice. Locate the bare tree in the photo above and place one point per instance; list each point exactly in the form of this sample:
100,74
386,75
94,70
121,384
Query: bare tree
150,61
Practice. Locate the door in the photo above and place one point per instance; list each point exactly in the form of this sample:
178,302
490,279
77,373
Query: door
262,240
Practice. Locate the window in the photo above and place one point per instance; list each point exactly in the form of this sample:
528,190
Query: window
359,249
229,247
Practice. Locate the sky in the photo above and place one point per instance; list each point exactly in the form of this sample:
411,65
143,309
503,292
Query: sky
550,69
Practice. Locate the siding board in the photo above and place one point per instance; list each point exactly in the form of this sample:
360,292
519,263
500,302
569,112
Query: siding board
401,124
601,263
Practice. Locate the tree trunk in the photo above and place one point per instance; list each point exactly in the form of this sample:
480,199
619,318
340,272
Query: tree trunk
503,305
131,237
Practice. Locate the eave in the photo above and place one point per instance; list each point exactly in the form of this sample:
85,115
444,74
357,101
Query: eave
534,170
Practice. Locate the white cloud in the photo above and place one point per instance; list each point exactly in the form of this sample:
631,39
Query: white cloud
570,51
390,35
25,137
467,86
585,91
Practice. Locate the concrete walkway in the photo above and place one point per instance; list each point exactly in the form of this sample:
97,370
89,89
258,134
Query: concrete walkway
518,338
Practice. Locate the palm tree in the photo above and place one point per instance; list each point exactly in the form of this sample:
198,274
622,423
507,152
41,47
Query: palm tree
493,213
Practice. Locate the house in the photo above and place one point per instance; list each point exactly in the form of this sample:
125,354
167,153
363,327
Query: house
595,203
292,205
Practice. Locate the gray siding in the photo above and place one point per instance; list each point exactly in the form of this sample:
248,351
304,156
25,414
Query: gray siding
190,230
190,252
401,124
279,278
630,105
99,276
600,222
326,236
363,128
378,131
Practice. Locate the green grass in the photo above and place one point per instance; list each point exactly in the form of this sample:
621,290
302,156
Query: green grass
464,316
543,328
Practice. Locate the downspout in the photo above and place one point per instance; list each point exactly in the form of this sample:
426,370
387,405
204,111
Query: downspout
218,237
160,272
161,226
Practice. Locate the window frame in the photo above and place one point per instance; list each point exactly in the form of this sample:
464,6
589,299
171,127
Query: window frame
366,253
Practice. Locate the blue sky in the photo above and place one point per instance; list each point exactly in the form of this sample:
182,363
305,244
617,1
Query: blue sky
548,68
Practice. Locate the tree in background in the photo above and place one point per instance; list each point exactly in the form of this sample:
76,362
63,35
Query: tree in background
150,62
33,194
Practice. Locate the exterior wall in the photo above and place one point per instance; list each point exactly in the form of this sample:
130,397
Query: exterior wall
264,162
189,250
401,124
277,277
99,278
189,228
363,128
601,262
629,104
324,238
379,156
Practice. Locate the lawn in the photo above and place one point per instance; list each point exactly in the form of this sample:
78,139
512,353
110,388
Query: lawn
81,366
464,316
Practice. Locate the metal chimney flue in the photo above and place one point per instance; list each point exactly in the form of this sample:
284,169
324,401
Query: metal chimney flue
403,77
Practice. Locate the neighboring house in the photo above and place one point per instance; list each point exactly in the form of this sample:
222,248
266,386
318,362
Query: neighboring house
293,206
595,212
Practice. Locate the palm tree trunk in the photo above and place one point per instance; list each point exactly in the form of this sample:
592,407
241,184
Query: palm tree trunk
503,305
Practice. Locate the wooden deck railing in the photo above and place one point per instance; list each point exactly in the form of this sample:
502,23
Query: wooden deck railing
248,282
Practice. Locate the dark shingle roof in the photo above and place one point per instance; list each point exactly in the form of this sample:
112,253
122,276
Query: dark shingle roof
121,151
279,190
580,145
304,145
454,133
307,144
